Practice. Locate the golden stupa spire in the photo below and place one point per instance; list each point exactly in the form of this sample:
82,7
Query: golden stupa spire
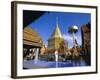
56,32
56,38
56,21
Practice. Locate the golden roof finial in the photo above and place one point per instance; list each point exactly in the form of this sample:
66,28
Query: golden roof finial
57,21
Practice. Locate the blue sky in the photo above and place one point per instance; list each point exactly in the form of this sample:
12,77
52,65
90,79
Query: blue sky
47,22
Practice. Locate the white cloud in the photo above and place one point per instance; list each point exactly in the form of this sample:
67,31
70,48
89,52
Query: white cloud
69,39
79,40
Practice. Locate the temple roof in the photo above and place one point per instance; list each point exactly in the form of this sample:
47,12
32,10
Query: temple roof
31,36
